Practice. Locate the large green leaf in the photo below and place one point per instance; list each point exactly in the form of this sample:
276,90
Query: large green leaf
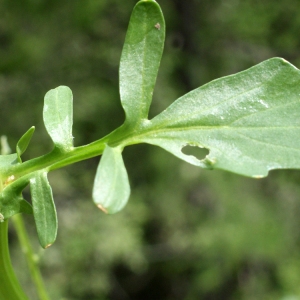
250,121
111,187
140,59
58,116
44,211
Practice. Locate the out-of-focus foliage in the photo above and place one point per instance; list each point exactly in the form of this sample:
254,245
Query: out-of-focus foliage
186,233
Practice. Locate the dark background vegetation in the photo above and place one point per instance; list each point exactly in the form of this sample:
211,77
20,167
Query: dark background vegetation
186,233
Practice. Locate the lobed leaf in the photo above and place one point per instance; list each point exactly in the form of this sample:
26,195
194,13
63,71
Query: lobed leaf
44,211
24,142
140,59
250,121
58,116
111,186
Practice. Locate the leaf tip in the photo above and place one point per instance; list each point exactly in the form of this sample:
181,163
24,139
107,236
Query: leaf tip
47,246
102,208
258,176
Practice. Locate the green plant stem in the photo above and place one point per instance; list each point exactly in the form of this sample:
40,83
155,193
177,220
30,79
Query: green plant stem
10,288
57,159
30,256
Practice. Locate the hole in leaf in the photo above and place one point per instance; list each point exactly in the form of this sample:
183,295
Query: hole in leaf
196,151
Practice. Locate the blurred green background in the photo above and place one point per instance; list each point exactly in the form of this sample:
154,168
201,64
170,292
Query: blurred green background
186,233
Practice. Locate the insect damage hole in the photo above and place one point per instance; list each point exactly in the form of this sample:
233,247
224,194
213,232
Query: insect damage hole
199,153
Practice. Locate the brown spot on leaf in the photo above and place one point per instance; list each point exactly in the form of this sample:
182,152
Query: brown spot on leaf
9,180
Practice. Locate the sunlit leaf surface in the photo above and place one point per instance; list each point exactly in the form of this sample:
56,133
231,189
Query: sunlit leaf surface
140,59
58,116
250,121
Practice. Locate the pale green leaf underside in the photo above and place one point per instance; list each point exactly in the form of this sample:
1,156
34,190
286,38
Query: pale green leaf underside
250,121
140,59
111,186
58,116
44,211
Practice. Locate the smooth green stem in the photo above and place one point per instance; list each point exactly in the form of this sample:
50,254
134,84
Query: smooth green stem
57,158
10,288
30,256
